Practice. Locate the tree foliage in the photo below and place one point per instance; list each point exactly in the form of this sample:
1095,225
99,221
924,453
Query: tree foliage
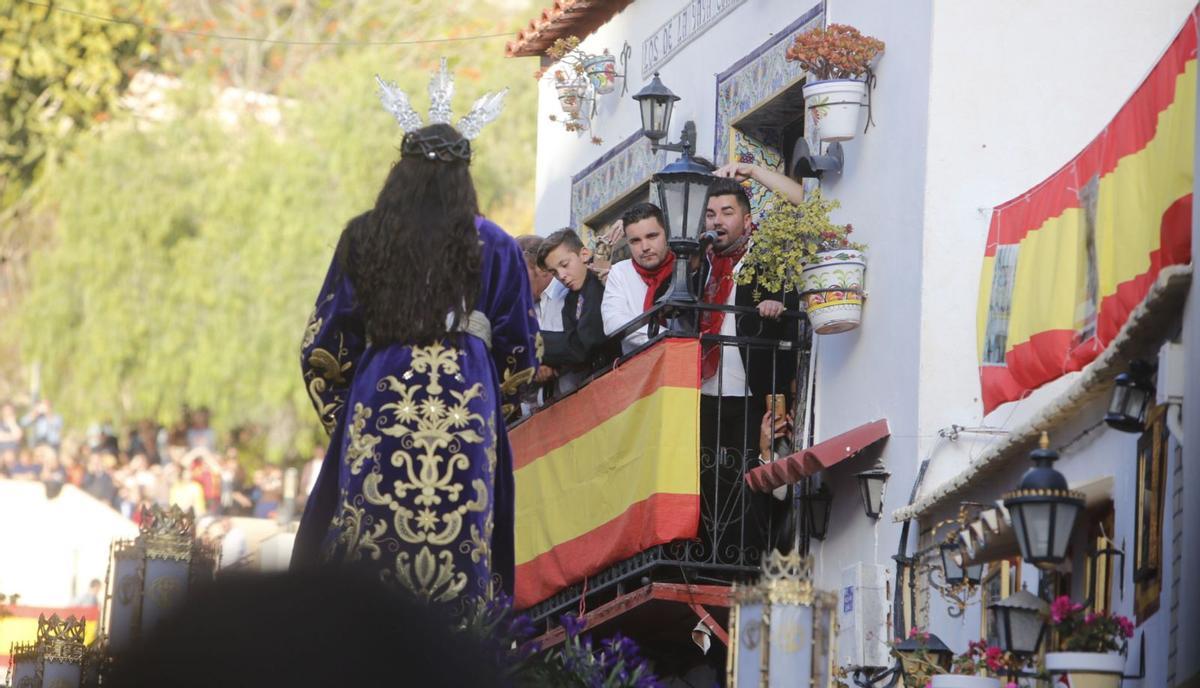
187,256
58,73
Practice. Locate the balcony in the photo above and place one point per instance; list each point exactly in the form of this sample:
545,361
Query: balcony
631,490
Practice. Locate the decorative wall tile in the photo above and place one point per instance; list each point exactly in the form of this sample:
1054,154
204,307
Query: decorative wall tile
616,173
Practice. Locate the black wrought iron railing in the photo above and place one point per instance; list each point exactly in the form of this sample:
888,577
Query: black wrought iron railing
748,369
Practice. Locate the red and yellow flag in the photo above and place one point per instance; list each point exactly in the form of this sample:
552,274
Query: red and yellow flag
608,471
1068,260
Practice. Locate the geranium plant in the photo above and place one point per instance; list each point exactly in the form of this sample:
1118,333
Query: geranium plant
836,52
1080,630
982,659
789,237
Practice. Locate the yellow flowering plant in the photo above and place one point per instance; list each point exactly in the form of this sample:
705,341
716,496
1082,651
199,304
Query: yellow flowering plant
789,237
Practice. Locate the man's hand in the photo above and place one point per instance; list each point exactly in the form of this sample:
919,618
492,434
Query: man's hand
544,374
770,309
767,436
737,170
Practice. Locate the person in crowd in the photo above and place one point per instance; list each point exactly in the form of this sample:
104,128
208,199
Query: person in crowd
91,596
52,475
738,380
422,338
43,424
25,468
199,434
98,482
635,284
186,493
548,297
11,435
580,347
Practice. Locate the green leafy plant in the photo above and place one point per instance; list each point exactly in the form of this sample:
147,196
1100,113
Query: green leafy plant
836,52
789,237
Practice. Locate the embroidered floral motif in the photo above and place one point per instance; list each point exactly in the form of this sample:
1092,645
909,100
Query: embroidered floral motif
361,445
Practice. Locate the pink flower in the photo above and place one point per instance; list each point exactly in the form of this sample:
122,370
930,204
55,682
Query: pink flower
1060,609
1010,684
1089,618
1126,626
995,659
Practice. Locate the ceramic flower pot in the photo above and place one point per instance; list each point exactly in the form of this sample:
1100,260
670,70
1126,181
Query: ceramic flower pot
571,95
832,287
601,70
1086,669
963,681
834,106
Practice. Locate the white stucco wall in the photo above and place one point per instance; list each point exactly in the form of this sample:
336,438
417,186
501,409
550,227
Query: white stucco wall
976,102
1016,91
690,74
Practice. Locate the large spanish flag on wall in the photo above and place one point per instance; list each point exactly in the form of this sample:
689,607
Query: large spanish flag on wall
1068,260
609,471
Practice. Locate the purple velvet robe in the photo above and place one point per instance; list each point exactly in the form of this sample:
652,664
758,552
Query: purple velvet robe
418,480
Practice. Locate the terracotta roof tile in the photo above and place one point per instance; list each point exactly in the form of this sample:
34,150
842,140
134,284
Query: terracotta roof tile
564,18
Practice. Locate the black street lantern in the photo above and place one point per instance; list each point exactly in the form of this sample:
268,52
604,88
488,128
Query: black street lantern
870,485
656,101
1020,622
932,645
952,569
1043,509
1131,397
683,198
816,511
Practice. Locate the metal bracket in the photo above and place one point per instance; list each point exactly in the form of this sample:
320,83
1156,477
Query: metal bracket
807,165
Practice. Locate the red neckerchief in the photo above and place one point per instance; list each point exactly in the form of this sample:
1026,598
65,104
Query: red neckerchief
655,278
716,291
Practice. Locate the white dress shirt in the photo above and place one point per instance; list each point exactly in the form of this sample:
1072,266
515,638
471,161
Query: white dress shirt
624,298
732,375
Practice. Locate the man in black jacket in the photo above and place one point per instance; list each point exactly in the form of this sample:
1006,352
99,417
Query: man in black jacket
739,379
581,347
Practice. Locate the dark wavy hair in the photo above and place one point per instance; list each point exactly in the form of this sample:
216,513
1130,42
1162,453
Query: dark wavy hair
724,186
415,257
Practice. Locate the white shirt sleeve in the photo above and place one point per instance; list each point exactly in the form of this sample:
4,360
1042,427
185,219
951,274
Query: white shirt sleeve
624,295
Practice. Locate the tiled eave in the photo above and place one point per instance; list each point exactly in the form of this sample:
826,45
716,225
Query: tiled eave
1147,326
564,18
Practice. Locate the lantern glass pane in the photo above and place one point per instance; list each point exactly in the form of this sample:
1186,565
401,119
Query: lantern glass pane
817,507
1026,627
1017,516
697,205
1120,394
673,194
951,570
748,655
1036,517
875,494
791,643
1135,403
1065,515
974,573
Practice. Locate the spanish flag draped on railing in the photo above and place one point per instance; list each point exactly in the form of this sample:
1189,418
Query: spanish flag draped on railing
608,471
1067,261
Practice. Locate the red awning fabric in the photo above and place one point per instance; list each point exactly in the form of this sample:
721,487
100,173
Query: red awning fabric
820,456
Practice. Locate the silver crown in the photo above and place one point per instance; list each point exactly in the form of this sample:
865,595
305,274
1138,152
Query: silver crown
441,89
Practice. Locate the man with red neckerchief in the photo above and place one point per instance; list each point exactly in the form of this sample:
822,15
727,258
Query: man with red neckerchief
737,380
635,284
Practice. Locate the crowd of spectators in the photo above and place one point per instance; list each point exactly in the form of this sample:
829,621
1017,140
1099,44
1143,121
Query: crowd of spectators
180,465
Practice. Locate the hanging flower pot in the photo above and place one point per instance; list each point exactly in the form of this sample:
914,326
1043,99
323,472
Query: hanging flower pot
832,287
839,59
601,70
834,107
571,95
1086,669
963,681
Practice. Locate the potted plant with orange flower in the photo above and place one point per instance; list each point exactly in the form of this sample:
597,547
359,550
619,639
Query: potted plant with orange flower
839,60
